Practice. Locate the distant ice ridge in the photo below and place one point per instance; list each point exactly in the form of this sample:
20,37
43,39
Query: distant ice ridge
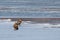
29,24
5,20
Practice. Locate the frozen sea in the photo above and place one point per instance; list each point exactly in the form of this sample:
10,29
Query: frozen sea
29,9
29,31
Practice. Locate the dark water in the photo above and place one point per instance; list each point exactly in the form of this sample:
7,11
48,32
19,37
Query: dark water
30,2
30,15
29,8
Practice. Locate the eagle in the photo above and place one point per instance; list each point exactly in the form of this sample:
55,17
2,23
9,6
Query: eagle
15,26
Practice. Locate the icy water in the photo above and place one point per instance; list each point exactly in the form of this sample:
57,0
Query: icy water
28,31
29,8
29,2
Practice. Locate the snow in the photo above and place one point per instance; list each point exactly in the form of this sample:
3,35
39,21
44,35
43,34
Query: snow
29,31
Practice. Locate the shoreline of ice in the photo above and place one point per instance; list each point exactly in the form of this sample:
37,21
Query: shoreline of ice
32,24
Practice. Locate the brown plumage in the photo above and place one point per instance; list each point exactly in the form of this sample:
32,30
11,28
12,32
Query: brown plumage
19,21
17,24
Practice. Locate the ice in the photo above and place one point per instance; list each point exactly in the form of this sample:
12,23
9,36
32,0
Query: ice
28,31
